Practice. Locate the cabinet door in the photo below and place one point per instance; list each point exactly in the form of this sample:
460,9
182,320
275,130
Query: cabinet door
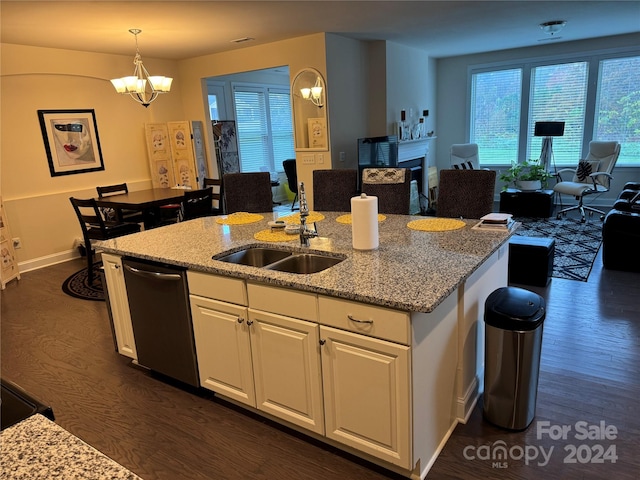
286,366
119,303
367,394
223,348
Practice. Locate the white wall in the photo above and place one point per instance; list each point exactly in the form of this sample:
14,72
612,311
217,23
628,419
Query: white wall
35,79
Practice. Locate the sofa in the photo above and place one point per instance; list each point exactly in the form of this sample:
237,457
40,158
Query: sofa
621,231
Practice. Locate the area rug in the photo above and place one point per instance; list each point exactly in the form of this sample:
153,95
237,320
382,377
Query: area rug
77,285
577,244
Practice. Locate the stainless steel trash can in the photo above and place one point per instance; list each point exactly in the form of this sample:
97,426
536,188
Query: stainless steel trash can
514,320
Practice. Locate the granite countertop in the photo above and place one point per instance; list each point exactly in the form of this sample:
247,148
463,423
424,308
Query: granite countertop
411,270
37,448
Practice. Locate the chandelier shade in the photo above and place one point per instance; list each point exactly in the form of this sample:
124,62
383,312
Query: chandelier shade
141,86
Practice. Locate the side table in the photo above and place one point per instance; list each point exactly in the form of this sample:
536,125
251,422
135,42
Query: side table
536,203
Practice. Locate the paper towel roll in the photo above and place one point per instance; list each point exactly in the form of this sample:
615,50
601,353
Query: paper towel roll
364,222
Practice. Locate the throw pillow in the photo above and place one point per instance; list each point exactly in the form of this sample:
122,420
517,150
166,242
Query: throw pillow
585,168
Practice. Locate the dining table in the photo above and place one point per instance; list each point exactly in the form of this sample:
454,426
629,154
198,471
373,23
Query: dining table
148,201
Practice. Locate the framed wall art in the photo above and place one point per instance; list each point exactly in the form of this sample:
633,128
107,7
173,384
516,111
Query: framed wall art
318,133
71,141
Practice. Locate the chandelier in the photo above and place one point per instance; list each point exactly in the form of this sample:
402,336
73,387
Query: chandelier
141,86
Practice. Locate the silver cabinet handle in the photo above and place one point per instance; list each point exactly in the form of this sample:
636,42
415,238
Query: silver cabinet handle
249,322
240,319
359,321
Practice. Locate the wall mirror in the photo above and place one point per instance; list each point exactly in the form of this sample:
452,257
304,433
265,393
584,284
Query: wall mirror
309,110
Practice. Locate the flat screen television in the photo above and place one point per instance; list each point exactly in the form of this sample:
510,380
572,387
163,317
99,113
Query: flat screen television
378,152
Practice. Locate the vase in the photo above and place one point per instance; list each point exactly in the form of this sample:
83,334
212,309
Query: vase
528,185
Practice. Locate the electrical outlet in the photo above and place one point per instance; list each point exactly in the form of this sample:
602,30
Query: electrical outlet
320,158
17,243
308,160
342,156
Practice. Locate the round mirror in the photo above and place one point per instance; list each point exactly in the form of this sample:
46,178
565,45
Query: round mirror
309,114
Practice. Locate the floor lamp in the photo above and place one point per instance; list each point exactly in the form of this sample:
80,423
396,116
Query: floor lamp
548,130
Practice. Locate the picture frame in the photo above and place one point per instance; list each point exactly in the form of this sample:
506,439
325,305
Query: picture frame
318,133
71,141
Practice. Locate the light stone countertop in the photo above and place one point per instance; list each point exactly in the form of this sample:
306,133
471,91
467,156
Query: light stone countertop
411,270
38,449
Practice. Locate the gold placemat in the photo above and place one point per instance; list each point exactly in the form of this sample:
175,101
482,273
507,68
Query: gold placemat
273,236
347,218
436,224
239,218
295,218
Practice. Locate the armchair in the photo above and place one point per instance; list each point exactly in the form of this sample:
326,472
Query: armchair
593,175
464,156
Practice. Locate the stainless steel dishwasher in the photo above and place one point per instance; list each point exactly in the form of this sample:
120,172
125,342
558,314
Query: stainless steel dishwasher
161,319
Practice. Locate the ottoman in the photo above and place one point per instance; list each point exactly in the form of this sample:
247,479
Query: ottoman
531,260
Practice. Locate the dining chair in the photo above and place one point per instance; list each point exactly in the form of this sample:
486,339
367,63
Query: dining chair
247,192
465,193
197,203
333,189
118,214
392,186
95,227
217,194
291,172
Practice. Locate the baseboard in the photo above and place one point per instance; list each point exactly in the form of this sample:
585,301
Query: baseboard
48,260
466,404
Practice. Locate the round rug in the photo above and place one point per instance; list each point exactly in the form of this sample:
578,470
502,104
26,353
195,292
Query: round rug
77,285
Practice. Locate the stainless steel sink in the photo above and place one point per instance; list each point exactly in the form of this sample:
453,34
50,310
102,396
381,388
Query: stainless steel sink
304,263
280,260
254,256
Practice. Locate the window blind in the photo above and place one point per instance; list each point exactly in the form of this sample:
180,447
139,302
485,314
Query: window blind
559,94
495,115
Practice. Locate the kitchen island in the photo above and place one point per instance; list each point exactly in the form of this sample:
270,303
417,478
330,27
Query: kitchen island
380,355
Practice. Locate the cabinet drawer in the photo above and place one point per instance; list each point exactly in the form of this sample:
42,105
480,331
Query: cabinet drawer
217,287
292,303
369,320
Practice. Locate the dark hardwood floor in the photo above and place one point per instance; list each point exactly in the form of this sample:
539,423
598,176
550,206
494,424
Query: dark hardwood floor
60,349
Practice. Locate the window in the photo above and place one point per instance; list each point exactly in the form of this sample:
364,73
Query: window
558,94
618,106
495,114
597,98
265,130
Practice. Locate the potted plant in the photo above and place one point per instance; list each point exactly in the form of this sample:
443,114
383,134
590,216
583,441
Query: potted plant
528,175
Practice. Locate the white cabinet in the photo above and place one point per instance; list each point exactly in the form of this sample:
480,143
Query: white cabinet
286,368
264,360
223,348
119,303
367,380
324,371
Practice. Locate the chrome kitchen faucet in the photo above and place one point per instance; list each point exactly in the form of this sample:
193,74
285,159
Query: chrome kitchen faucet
305,233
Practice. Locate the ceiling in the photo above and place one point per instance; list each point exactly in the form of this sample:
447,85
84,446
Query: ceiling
184,29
